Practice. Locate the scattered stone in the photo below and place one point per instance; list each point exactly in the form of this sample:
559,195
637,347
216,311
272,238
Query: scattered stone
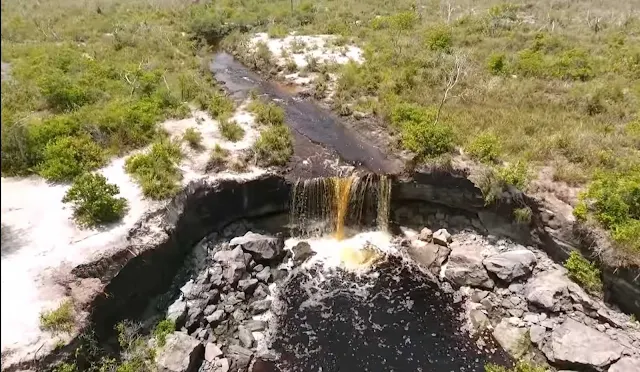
626,364
260,306
429,256
215,317
215,275
254,325
512,264
181,353
506,303
516,312
516,287
263,248
465,267
554,291
211,352
442,237
261,292
531,318
574,343
264,275
258,268
510,338
537,333
302,252
425,234
487,304
479,320
245,336
233,264
479,295
239,315
209,310
247,285
177,312
240,357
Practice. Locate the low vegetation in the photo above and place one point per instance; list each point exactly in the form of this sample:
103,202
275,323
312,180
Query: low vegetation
218,158
274,146
162,330
230,130
156,171
521,366
58,320
522,215
193,137
584,272
267,113
94,200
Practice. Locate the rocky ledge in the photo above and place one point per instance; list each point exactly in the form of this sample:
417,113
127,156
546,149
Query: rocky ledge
527,302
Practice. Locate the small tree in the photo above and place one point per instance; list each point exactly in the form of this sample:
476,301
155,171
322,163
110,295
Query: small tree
94,200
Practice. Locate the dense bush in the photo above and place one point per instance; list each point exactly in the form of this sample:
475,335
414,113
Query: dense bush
94,200
267,113
274,146
68,157
497,63
584,272
193,137
162,330
156,171
230,130
427,139
515,174
485,147
58,320
439,38
219,105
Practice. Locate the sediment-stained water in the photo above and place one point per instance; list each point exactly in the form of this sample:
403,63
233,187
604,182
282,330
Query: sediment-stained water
389,319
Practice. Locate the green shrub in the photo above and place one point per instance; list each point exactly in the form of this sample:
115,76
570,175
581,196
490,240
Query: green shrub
94,200
521,366
156,171
66,367
277,31
485,147
531,63
574,64
522,215
58,320
515,174
64,94
220,105
262,58
291,66
162,330
218,158
427,139
405,112
230,130
274,146
193,137
68,157
439,38
496,63
267,113
584,272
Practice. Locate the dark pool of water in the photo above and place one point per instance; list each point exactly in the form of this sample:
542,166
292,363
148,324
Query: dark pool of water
303,116
396,320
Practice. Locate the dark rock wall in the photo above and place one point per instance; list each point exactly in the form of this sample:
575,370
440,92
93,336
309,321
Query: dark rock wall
198,210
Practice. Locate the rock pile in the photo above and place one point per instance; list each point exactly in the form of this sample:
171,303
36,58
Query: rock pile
219,314
529,303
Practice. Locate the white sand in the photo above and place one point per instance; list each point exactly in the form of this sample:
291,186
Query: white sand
46,244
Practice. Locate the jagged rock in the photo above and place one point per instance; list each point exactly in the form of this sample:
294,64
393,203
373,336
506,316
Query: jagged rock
442,237
425,235
211,352
215,275
575,343
233,264
255,325
247,285
245,337
302,252
511,338
187,287
258,268
479,320
239,315
264,275
261,292
626,364
260,306
465,267
555,292
479,295
428,255
263,248
177,312
222,365
240,357
181,353
209,310
216,317
512,264
537,333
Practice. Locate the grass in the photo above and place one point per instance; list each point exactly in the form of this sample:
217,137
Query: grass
218,157
274,147
230,130
193,137
59,320
584,272
162,330
156,171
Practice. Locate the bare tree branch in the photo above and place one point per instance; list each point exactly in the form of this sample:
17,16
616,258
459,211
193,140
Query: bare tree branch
452,78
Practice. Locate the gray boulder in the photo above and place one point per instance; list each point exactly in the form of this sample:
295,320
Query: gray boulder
260,306
264,275
247,285
211,352
263,248
576,344
181,353
245,337
425,234
511,338
233,264
240,357
555,292
512,264
442,237
429,256
465,267
626,364
177,312
302,252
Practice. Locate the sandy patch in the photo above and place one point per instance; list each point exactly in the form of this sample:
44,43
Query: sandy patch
41,243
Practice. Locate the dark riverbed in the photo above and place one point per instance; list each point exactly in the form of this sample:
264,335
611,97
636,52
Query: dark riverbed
391,320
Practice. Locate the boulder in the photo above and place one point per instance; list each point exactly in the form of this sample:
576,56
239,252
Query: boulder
429,256
260,306
247,285
465,267
302,252
216,317
576,344
626,364
512,264
177,312
442,237
263,248
240,357
479,320
425,234
211,352
555,292
222,365
181,353
537,334
255,325
511,338
233,264
245,337
264,275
